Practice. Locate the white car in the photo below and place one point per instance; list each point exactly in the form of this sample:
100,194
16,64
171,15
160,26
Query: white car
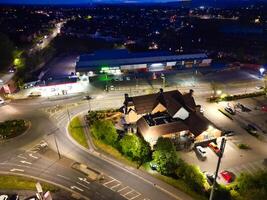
259,87
3,197
1,101
201,151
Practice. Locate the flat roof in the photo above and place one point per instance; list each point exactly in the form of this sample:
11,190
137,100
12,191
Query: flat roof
124,57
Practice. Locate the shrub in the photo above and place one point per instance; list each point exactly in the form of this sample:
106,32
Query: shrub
104,130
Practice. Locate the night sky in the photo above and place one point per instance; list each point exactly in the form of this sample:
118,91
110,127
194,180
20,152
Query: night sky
108,1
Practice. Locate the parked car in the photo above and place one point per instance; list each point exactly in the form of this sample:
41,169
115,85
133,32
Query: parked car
214,147
200,151
259,87
3,197
264,108
227,176
251,129
153,165
87,97
2,101
229,133
229,110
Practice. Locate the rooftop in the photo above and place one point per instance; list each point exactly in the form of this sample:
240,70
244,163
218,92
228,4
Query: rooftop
123,57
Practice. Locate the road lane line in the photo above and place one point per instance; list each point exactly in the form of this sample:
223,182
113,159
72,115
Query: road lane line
20,156
83,185
67,178
25,162
16,170
122,189
35,157
77,188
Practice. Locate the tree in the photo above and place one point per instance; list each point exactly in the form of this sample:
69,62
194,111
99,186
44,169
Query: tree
192,175
6,51
135,148
165,156
104,130
253,186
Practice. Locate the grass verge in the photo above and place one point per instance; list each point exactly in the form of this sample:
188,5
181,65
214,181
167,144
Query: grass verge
179,184
22,183
77,132
113,152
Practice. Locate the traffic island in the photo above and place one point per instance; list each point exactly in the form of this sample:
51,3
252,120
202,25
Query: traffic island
77,132
10,182
26,188
13,128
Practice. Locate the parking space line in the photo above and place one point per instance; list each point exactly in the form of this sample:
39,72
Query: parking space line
108,182
128,192
135,196
122,189
115,186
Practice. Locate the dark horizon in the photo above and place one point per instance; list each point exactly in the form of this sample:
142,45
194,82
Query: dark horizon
88,2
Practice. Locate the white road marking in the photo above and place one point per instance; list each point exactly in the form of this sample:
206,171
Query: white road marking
128,193
35,157
18,170
83,185
77,188
20,156
122,189
108,182
84,180
115,186
25,162
135,196
67,178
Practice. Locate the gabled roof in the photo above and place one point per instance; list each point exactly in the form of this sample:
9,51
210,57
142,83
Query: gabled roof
172,100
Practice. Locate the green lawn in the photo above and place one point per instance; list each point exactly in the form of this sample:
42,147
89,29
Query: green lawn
77,132
22,183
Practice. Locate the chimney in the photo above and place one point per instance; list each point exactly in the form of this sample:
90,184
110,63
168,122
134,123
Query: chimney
126,96
191,92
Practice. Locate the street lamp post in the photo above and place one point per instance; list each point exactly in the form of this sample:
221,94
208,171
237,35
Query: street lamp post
223,142
55,139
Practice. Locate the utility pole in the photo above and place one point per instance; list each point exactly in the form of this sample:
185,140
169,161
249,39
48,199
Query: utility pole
68,115
223,142
55,139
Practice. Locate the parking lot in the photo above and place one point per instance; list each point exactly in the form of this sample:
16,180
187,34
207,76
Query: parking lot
235,159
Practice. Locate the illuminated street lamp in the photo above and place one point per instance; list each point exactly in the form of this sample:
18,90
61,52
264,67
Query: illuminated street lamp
262,70
218,92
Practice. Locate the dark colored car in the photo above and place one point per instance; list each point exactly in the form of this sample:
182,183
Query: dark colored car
229,110
229,133
251,129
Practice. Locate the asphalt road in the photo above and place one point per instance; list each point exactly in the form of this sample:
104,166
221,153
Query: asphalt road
51,116
131,183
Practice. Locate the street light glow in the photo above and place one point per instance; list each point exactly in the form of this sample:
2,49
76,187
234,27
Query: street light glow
262,70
